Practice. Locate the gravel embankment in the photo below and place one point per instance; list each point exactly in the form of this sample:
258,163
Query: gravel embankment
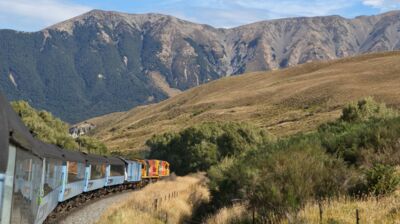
92,212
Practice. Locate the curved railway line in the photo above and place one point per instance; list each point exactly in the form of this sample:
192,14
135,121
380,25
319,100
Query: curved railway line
40,182
89,211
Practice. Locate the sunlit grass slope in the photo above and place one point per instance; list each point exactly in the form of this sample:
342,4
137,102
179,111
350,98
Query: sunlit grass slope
283,102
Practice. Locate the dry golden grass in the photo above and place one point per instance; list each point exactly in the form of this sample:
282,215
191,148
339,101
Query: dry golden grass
227,215
176,199
343,211
283,102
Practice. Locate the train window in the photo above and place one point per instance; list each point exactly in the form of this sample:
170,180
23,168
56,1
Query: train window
97,171
117,170
76,172
26,169
27,187
53,175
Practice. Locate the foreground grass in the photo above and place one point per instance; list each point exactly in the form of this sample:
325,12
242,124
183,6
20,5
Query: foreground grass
340,211
371,210
169,201
229,215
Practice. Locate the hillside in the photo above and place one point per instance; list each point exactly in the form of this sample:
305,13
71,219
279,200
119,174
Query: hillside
283,102
103,62
47,128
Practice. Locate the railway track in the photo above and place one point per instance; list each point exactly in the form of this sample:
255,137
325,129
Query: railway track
64,210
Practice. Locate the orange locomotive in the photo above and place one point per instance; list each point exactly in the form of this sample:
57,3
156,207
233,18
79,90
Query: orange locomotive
154,169
163,170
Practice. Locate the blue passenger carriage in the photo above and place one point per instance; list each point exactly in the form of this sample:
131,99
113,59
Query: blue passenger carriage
95,177
73,175
115,172
133,171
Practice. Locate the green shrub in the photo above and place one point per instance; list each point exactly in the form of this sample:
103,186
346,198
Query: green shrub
91,145
350,141
382,179
52,130
199,147
366,109
289,175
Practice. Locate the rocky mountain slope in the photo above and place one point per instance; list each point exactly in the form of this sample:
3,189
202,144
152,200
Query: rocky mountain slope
103,62
282,102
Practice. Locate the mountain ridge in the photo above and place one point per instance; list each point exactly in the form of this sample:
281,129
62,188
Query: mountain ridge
102,62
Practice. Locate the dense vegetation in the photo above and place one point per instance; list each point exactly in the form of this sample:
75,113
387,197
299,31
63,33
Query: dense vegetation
202,146
50,129
355,156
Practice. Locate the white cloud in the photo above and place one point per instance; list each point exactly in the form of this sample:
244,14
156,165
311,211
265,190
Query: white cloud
38,13
382,4
31,15
374,3
230,13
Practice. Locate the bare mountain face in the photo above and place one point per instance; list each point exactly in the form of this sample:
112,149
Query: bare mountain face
103,62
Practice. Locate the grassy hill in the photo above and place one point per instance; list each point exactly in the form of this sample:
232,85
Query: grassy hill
283,102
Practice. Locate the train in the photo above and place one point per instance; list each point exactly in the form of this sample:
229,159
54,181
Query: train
39,179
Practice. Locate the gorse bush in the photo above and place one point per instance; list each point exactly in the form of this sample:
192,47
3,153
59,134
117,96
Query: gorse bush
52,130
278,177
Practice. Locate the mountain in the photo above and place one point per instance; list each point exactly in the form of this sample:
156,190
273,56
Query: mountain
282,102
103,62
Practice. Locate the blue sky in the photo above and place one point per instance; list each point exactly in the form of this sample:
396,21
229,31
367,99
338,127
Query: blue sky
33,15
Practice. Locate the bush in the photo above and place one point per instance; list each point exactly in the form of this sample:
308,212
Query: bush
199,147
366,109
351,141
280,176
382,179
52,130
91,145
45,126
289,175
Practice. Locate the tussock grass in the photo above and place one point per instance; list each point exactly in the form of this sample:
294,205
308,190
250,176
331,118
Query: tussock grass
371,209
176,198
228,215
